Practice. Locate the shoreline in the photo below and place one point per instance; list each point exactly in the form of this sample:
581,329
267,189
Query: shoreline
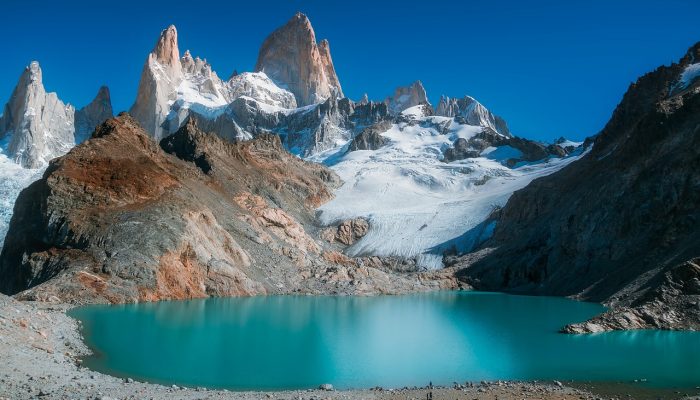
42,350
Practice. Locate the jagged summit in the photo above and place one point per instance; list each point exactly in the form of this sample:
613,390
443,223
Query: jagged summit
38,125
406,97
473,113
93,114
166,50
291,57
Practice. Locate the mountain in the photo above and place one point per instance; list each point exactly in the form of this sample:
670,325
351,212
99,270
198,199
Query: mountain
473,112
98,111
407,174
406,97
427,184
121,218
36,125
291,57
620,225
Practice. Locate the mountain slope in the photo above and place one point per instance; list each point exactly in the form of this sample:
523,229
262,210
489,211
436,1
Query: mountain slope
621,224
419,203
122,219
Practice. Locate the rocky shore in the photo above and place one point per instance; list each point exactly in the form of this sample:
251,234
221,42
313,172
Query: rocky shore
42,348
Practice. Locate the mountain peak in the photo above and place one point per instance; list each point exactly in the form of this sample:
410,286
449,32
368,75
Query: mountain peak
406,97
33,72
166,51
291,57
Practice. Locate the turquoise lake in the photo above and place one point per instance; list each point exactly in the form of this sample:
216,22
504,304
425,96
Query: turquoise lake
292,342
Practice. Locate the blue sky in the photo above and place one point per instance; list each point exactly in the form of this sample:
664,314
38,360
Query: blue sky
550,68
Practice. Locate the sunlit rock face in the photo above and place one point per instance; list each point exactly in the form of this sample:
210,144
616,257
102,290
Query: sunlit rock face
291,57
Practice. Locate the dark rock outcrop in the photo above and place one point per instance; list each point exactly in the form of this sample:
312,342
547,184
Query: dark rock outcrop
371,137
530,150
616,225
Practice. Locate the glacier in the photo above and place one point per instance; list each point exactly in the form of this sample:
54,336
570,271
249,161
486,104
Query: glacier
417,205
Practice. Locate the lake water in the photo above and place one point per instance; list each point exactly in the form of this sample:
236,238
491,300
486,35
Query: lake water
291,342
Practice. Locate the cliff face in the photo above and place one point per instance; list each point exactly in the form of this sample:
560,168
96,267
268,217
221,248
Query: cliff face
406,97
160,77
615,225
292,58
121,219
39,125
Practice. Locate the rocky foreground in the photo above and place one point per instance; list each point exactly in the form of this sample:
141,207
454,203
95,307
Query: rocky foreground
122,218
42,348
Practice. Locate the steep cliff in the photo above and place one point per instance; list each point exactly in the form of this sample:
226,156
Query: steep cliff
293,59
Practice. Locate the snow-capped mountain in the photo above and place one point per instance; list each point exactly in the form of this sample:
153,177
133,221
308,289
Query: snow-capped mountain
426,183
473,113
406,97
35,127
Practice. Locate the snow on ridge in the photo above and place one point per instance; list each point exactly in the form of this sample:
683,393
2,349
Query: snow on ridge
690,73
417,205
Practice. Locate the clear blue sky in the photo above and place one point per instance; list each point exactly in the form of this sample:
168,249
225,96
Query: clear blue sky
550,68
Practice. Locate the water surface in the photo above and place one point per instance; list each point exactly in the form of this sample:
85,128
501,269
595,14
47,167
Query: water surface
290,342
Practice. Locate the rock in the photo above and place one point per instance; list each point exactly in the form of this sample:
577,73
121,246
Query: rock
614,226
161,75
472,112
460,151
175,231
371,137
326,386
39,124
347,232
406,97
291,57
98,111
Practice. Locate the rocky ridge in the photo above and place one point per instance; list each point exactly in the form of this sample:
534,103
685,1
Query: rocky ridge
121,219
618,226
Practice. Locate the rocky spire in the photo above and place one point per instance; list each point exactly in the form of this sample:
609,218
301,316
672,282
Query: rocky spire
93,114
161,75
166,51
472,112
291,57
37,125
407,96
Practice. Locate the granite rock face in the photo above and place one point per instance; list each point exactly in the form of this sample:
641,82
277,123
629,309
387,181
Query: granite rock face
291,57
160,77
92,115
38,124
405,97
620,224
